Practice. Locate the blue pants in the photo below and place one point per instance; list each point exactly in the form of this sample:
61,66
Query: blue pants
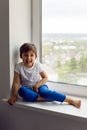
29,95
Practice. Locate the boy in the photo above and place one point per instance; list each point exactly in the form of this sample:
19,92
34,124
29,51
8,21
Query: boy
30,80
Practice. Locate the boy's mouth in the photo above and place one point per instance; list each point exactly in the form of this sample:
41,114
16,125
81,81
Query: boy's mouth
28,61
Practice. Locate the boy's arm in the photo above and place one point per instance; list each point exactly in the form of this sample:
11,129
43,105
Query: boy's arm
15,87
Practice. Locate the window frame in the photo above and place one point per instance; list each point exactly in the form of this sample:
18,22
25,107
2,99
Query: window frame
36,37
36,25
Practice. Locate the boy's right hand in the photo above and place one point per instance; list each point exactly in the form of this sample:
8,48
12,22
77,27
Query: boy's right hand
12,100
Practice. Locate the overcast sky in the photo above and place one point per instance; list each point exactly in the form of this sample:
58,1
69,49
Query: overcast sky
64,16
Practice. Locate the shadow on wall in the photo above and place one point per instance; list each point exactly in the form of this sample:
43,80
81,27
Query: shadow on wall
15,57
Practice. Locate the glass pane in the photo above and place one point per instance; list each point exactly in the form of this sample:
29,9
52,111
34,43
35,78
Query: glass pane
64,40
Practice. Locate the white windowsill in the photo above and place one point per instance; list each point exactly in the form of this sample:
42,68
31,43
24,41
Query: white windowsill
56,108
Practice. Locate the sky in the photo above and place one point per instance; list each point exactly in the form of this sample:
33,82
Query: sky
64,16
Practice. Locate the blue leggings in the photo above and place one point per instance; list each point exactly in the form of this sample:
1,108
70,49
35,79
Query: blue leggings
29,95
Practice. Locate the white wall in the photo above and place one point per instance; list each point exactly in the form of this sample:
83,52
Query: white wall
15,29
20,28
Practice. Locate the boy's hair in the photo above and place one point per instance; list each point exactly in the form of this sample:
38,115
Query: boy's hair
28,47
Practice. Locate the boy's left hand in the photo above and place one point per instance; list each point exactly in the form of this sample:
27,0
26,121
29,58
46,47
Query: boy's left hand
35,88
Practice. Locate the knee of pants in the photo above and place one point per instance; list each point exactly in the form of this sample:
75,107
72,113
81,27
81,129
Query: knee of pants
28,94
43,90
21,91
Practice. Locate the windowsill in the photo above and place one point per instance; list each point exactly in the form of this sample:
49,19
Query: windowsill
80,91
56,108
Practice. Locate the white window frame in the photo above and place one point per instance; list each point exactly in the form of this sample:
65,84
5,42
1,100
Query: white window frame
36,27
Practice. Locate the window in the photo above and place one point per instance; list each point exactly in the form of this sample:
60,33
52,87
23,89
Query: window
38,34
64,40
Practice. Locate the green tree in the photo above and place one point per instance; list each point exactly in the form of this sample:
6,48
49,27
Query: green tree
73,65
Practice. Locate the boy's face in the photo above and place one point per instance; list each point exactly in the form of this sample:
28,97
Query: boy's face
28,58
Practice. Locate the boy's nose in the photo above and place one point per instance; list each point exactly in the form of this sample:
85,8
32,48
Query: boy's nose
29,57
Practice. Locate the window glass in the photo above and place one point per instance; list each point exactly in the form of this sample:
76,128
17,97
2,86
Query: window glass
64,40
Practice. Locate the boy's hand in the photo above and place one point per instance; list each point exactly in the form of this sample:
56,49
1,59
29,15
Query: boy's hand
35,88
12,100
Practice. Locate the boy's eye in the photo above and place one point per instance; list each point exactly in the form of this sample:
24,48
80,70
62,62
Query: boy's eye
31,55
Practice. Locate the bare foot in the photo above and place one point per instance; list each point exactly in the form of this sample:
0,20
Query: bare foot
40,99
76,103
